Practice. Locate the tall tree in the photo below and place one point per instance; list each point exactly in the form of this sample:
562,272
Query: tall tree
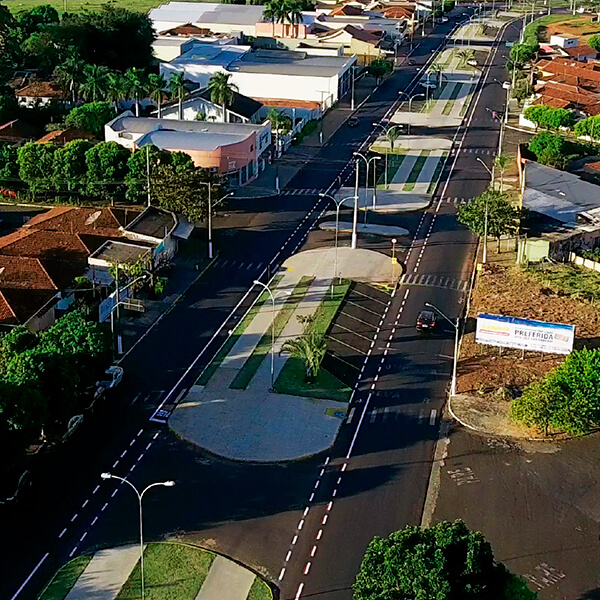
91,117
95,83
36,165
137,85
221,91
9,167
502,162
69,166
280,124
178,91
157,85
446,561
117,88
144,159
106,170
502,214
70,75
270,13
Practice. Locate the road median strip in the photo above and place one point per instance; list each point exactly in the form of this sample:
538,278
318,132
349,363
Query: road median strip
253,362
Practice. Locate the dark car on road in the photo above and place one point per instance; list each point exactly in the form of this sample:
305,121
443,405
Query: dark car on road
426,321
352,122
412,62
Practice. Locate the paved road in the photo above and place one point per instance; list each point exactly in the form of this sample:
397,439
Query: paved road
248,512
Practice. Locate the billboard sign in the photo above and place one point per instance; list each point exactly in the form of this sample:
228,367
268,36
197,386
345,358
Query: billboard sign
525,334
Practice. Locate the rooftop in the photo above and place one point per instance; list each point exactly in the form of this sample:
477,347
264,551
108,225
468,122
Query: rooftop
207,12
115,252
41,89
286,62
62,136
16,131
557,194
153,222
211,54
189,140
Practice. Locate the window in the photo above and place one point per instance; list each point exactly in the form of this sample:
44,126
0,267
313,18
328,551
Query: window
251,147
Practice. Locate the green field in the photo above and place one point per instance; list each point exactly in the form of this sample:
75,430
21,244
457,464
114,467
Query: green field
66,578
61,6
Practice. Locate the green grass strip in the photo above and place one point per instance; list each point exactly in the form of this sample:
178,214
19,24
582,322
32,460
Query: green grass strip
66,577
448,107
226,348
417,167
260,591
291,379
253,362
171,572
437,173
467,102
571,280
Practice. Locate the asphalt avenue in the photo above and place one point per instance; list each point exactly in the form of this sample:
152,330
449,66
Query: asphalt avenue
306,524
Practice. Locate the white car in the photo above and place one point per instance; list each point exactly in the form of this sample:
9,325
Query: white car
112,377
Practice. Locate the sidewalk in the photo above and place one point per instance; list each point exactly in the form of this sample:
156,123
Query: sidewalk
256,424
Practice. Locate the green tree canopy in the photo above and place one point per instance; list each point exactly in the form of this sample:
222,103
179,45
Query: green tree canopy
137,171
34,19
9,167
445,562
503,215
589,127
182,190
69,166
594,42
521,53
567,399
36,165
91,117
222,91
550,148
106,170
549,117
380,67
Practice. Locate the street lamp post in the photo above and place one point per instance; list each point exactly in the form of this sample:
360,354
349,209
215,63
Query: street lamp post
485,218
456,332
368,161
210,242
394,242
355,215
338,204
273,296
140,496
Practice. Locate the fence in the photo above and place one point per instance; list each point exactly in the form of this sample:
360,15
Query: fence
584,262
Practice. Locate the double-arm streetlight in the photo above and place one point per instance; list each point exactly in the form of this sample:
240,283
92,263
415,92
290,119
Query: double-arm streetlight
338,205
140,496
410,101
368,162
386,128
273,296
209,184
456,326
485,216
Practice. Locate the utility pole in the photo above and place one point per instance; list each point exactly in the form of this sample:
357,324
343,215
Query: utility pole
355,218
148,172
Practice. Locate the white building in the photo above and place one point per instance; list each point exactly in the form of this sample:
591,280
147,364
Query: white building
270,74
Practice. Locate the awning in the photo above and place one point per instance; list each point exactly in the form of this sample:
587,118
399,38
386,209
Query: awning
184,229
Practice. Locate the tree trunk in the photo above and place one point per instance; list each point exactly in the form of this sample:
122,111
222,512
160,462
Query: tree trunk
180,108
137,107
224,108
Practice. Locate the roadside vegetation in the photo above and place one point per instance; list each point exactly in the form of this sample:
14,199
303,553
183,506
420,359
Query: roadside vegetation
415,561
65,578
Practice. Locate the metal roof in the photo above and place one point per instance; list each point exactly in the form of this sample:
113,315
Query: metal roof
207,12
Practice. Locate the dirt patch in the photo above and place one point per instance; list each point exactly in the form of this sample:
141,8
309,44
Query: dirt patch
584,25
490,377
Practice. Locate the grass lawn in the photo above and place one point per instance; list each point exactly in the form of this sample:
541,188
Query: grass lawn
417,168
225,349
291,379
75,6
467,102
260,591
570,280
247,372
66,578
448,107
171,572
437,173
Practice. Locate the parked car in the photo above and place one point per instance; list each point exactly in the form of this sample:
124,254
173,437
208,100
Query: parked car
426,321
412,62
112,377
352,121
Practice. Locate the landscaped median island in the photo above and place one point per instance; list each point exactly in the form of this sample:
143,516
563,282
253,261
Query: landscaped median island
529,394
172,571
292,377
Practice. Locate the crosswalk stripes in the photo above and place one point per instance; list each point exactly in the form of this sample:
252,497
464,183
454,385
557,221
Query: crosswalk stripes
225,263
452,200
482,151
301,192
447,283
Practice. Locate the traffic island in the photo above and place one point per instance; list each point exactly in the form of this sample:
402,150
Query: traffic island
255,405
172,571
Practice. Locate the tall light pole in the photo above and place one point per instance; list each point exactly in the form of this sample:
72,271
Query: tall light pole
355,215
210,241
338,204
385,129
410,101
368,161
485,218
394,261
456,332
140,496
273,296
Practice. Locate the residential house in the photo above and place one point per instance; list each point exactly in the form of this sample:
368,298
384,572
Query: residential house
63,136
235,150
199,104
40,94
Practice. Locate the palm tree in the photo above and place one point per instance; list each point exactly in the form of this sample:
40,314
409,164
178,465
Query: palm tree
280,123
270,13
391,135
464,56
70,75
501,162
178,90
438,70
294,13
137,86
221,91
95,84
117,88
156,88
310,348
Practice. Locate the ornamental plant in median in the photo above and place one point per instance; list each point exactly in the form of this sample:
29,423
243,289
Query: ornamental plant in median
310,347
445,562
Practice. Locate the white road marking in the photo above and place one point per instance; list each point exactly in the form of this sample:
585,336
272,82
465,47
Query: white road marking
432,416
96,489
313,551
281,574
299,592
62,532
16,594
294,540
319,534
306,568
288,556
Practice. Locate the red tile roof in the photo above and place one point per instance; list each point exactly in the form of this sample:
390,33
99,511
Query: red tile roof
578,51
41,89
583,100
62,136
347,11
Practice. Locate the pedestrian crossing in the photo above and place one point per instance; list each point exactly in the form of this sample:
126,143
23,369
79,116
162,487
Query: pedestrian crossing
481,151
434,281
226,263
392,414
302,192
452,200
